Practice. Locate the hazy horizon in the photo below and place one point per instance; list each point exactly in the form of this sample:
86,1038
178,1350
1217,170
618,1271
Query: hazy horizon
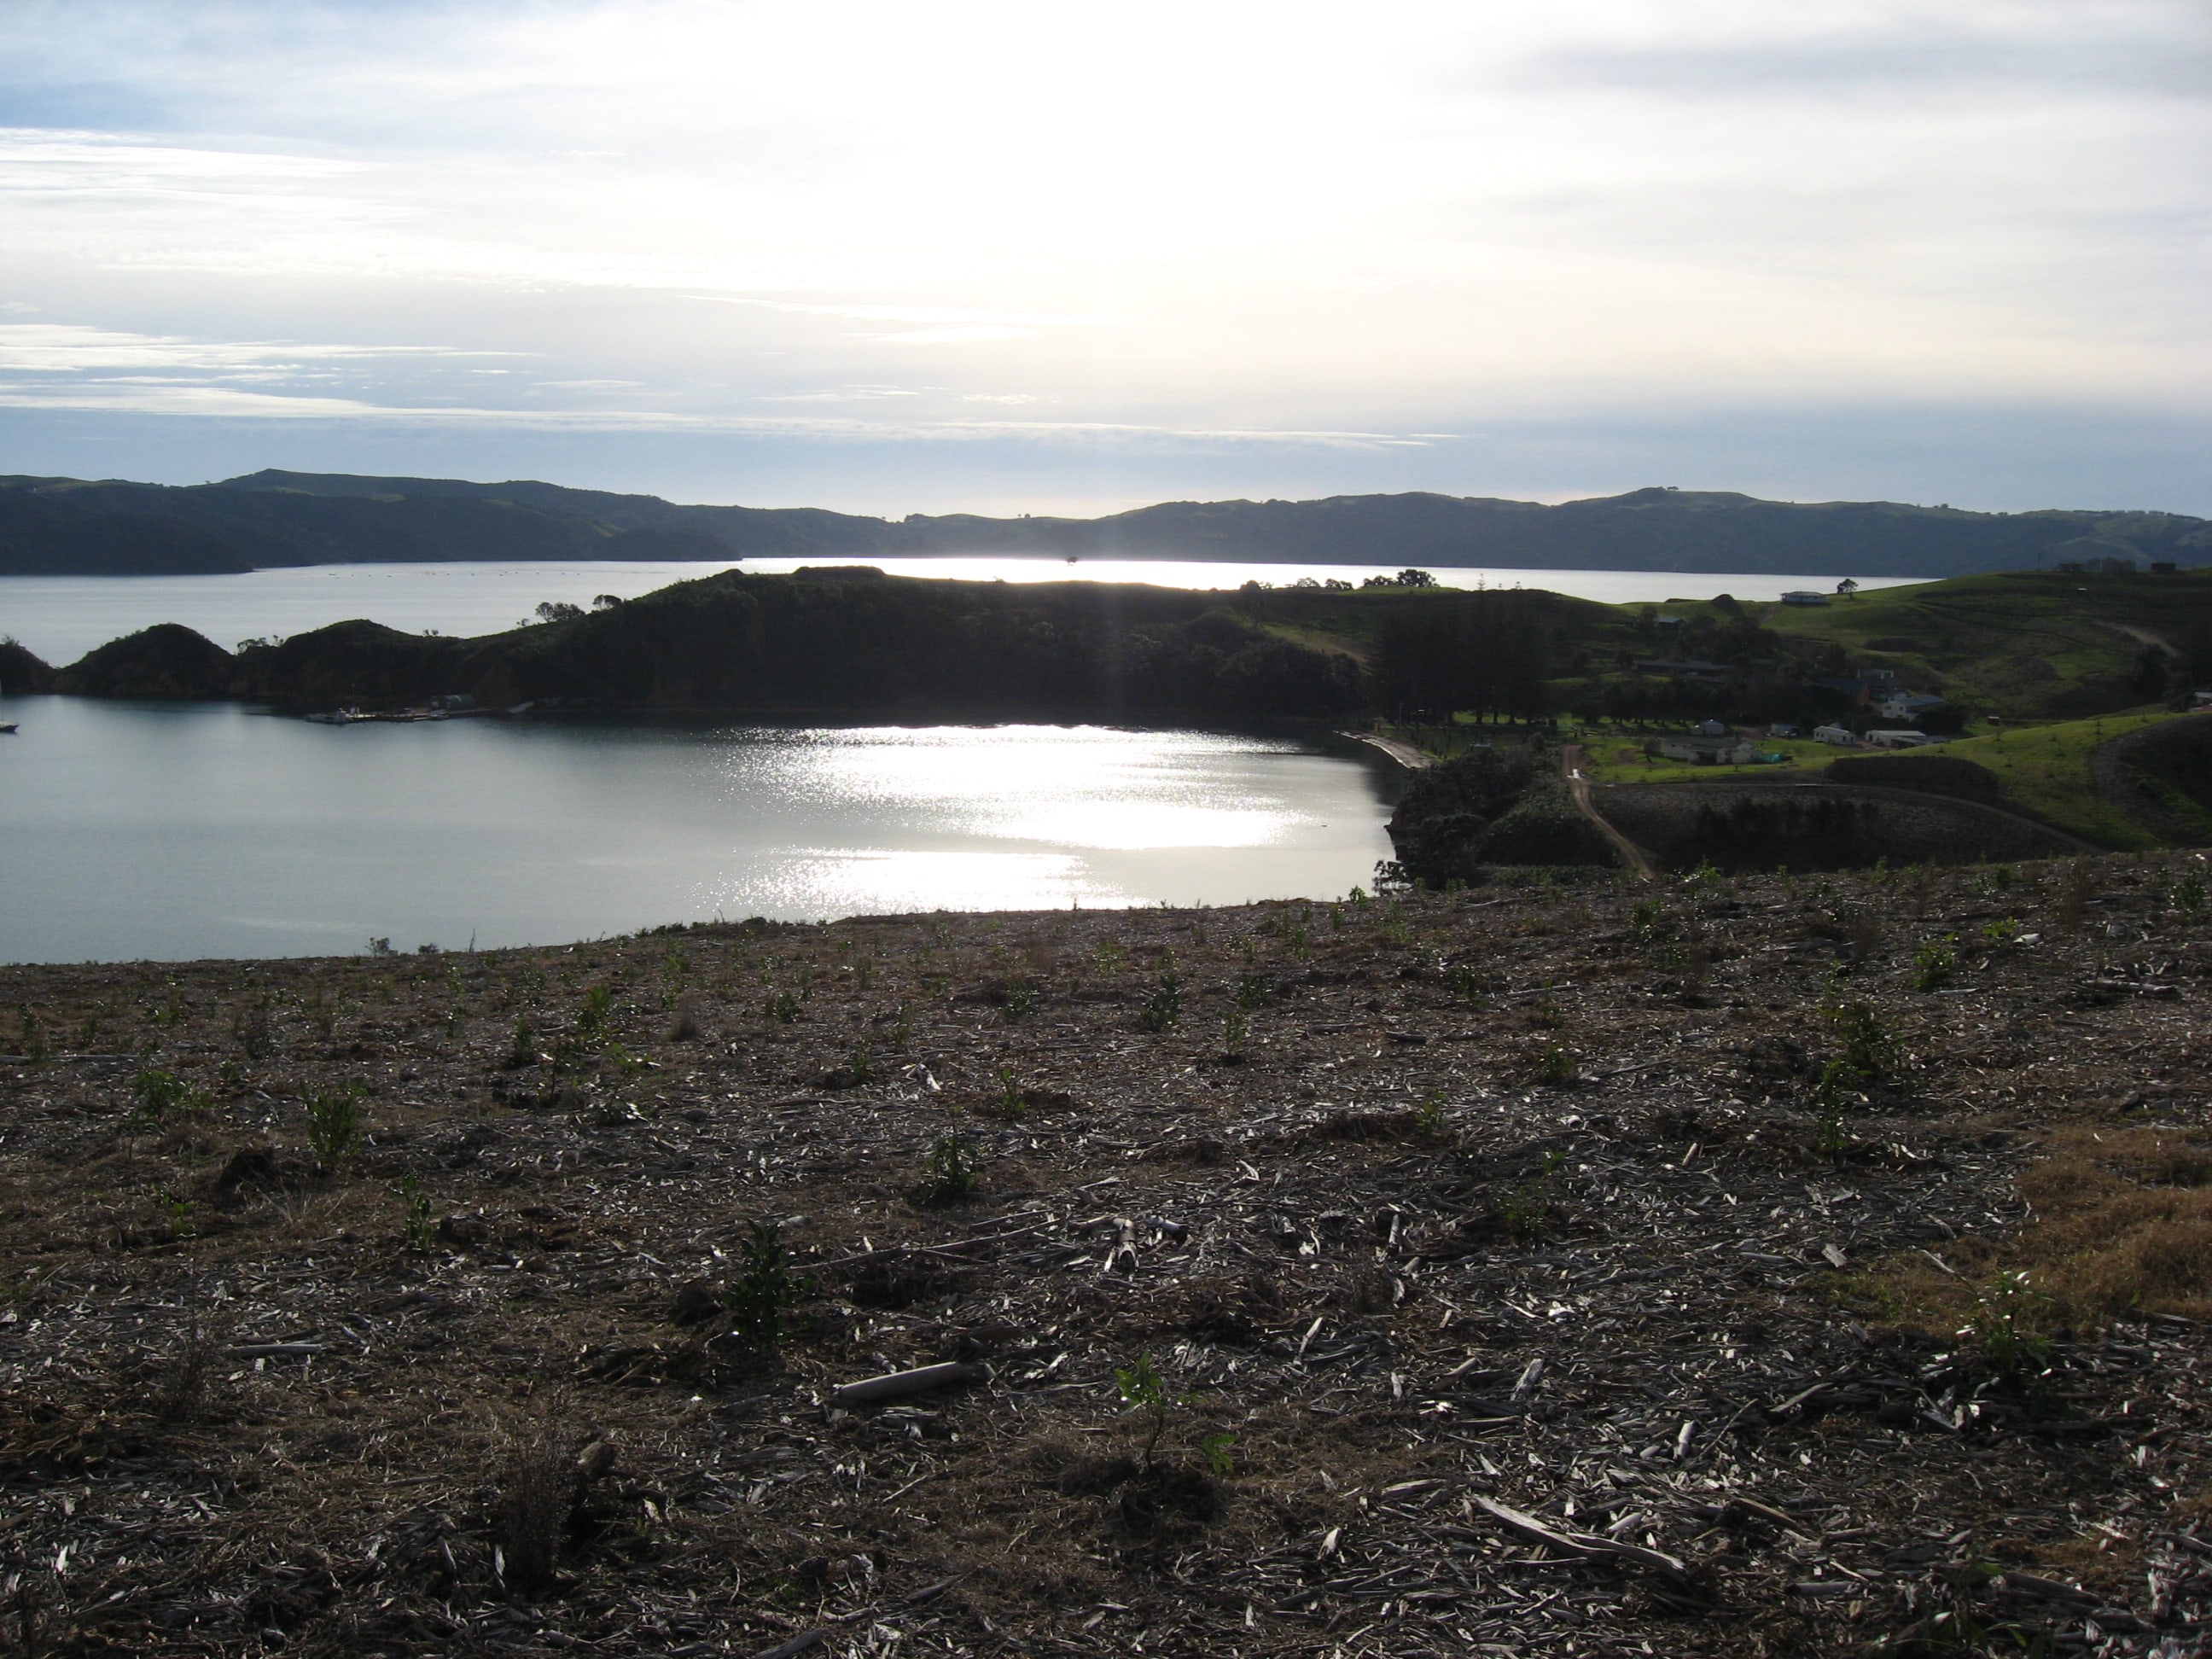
986,258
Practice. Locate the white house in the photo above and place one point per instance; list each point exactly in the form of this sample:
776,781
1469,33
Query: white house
1711,743
1804,596
1909,705
1900,739
1838,735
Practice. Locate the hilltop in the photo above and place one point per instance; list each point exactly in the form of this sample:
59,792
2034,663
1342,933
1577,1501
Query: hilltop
268,519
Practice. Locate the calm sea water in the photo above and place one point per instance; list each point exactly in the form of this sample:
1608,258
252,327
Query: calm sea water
62,617
137,830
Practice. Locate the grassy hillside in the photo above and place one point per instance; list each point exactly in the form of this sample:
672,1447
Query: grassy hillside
2046,771
2029,645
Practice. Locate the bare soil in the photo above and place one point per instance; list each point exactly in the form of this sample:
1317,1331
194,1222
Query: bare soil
1513,1283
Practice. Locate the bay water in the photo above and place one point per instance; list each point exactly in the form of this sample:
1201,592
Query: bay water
139,830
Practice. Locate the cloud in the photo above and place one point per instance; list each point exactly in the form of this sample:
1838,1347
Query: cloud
1193,223
75,348
2156,50
913,314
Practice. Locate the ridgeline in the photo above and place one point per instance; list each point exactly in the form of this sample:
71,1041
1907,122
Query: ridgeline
70,526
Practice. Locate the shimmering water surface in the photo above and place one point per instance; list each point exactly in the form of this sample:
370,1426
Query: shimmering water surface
62,617
140,830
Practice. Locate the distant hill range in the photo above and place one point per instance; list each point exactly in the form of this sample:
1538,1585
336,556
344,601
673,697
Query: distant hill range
69,526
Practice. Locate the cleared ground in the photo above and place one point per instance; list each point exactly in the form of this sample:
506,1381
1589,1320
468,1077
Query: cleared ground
1556,1291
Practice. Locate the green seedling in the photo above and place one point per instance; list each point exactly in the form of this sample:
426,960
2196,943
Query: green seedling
1145,1393
2007,1332
2002,931
1429,1116
1867,1050
415,1214
1526,1211
160,1095
950,1166
1007,1104
1555,1066
1935,964
595,1020
334,1125
1163,1008
783,1008
765,1292
1236,1031
1021,1002
177,1208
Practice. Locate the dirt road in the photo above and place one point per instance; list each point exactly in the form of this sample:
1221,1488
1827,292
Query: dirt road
1570,763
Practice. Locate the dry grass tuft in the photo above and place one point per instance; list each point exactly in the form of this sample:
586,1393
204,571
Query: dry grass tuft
2122,1224
538,1484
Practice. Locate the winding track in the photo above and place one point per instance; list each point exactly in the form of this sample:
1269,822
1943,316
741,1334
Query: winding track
1570,763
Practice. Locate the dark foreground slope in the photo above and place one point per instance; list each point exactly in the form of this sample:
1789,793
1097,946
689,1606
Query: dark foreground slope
1534,1201
63,525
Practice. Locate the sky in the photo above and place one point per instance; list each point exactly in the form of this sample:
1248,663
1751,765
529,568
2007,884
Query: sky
1073,257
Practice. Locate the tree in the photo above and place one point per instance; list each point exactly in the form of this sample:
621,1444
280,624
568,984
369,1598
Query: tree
1416,579
1847,587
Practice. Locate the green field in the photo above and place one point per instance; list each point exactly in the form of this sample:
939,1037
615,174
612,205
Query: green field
2046,771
